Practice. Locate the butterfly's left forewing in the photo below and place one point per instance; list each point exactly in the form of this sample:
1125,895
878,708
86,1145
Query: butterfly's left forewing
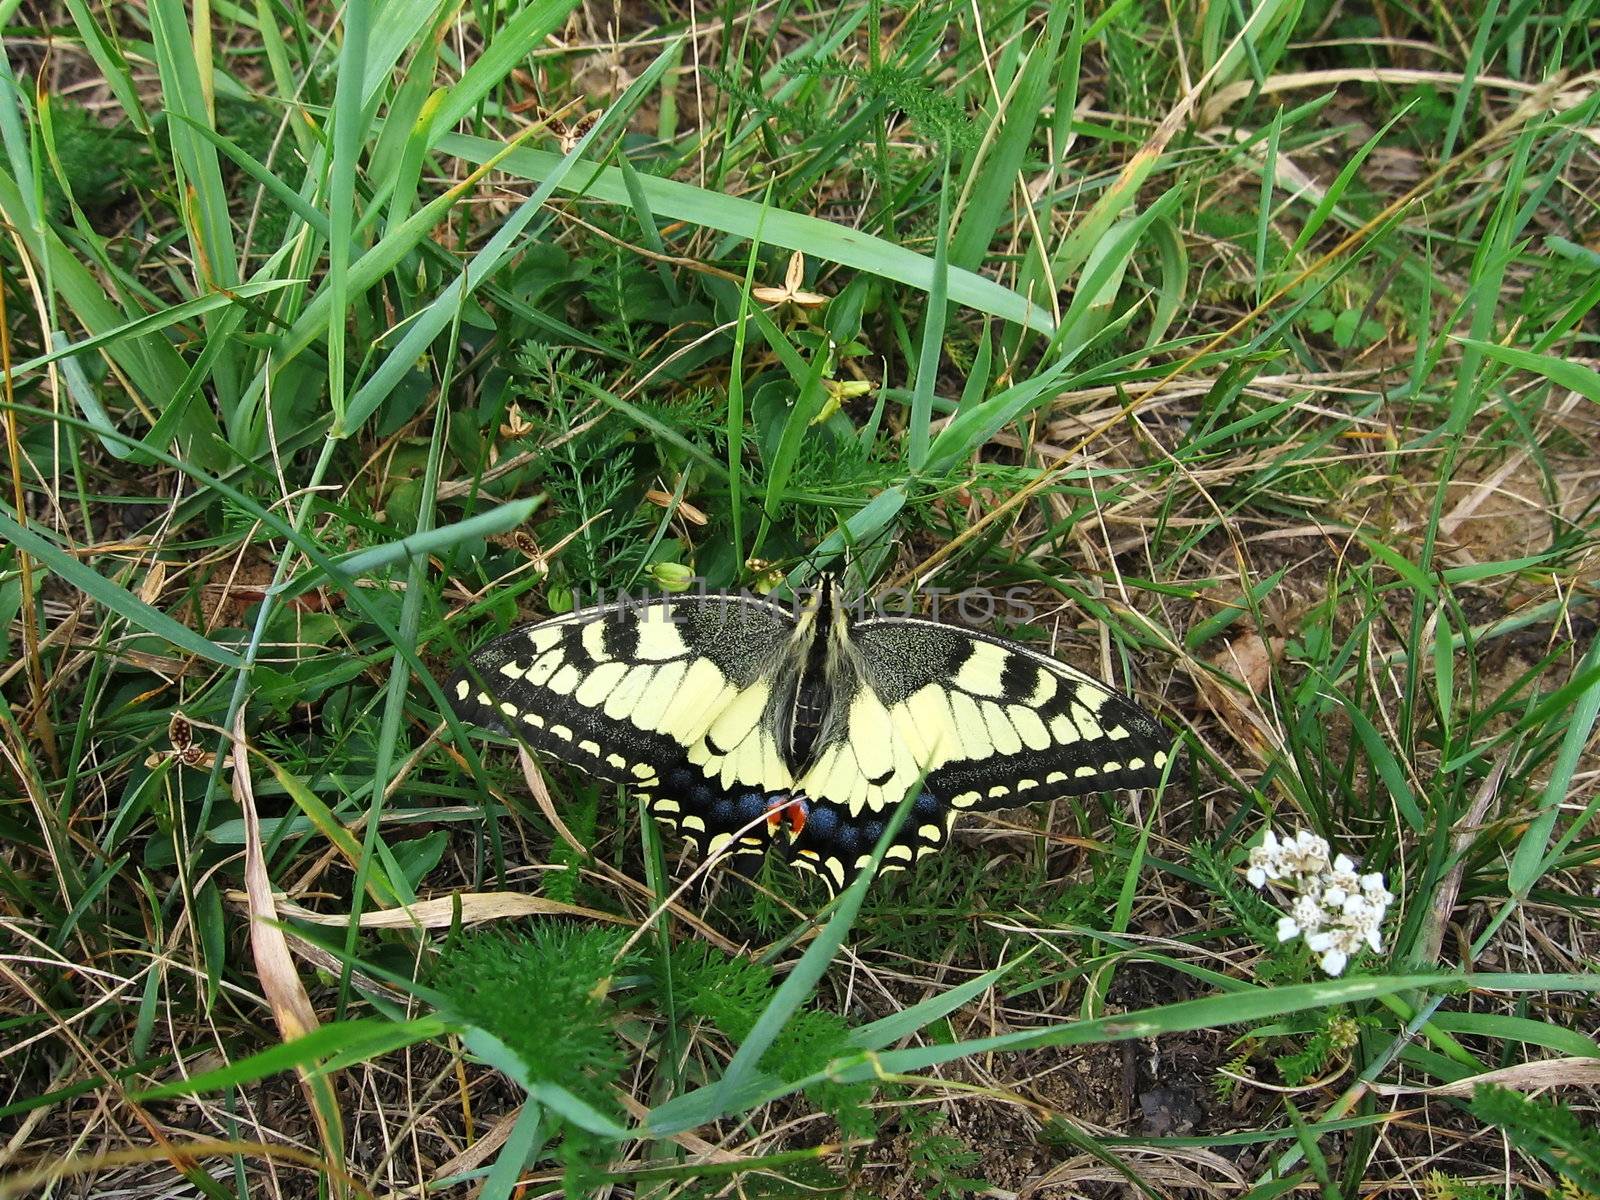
672,698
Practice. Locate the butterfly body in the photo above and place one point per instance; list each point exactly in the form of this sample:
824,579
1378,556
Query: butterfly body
745,724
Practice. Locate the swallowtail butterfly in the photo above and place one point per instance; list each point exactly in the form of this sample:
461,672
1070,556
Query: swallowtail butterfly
741,720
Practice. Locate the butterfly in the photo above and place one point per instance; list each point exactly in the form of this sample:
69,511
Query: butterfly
744,724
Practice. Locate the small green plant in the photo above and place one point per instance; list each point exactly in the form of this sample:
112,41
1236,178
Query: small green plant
732,992
1334,1035
1547,1130
1439,1186
545,995
939,1159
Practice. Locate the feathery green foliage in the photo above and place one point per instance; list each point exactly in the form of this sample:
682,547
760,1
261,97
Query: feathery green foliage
1548,1130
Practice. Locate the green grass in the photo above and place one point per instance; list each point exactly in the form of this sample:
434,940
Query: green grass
1254,346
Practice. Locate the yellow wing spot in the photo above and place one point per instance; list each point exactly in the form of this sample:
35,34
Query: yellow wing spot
1044,691
810,854
929,714
1001,733
462,688
643,771
690,724
534,719
1091,697
969,724
926,849
898,851
1117,732
1024,785
543,637
701,685
982,671
620,703
616,760
871,735
602,681
693,822
1029,727
930,833
589,748
836,869
1055,777
507,708
751,841
662,804
1088,725
593,638
1158,759
863,862
486,700
512,669
652,709
893,866
1063,730
659,638
564,680
966,799
1087,772
998,790
734,724
718,843
1135,764
562,732
540,672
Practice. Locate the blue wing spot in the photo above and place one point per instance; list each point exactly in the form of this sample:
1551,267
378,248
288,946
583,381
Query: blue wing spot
722,811
680,780
872,831
848,839
750,806
822,822
926,805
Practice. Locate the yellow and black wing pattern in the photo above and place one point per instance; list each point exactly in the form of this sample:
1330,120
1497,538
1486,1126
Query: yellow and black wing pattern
673,698
744,724
983,722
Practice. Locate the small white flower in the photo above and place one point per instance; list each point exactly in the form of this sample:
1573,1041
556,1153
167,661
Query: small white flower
1343,876
1336,910
1307,854
1264,861
1308,914
1372,888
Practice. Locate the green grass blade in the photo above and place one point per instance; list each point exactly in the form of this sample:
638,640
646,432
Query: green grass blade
113,597
673,200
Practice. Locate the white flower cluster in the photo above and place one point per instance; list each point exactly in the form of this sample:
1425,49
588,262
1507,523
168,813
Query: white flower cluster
1335,910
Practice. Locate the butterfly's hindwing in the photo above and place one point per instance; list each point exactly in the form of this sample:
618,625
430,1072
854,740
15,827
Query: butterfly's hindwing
671,698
